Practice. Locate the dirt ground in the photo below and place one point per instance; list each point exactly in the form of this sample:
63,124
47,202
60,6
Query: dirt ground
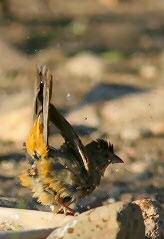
107,58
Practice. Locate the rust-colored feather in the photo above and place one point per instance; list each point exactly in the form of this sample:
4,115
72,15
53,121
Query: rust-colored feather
44,166
26,180
35,142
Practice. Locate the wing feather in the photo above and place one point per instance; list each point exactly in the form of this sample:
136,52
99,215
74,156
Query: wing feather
71,138
42,98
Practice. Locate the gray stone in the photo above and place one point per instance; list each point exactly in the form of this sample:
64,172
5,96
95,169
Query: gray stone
117,220
86,65
85,115
133,113
153,215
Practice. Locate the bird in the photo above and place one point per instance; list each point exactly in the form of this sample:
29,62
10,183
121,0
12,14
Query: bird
59,177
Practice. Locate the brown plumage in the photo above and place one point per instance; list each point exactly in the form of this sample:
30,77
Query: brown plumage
58,177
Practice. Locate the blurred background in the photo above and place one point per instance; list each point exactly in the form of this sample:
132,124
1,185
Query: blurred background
107,59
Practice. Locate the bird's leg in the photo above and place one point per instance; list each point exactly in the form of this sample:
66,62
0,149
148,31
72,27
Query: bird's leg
66,208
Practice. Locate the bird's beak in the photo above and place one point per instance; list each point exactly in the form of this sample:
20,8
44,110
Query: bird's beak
116,159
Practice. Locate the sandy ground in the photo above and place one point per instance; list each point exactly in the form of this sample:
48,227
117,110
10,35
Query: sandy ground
107,58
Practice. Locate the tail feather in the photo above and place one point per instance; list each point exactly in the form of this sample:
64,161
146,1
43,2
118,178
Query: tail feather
37,140
43,91
38,95
47,91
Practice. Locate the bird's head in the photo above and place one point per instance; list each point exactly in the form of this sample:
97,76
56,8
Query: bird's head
102,154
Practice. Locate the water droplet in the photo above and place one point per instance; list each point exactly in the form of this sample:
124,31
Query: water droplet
70,97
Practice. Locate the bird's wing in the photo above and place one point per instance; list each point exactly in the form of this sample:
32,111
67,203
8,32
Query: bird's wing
42,97
72,140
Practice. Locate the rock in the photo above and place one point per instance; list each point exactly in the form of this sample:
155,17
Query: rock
15,101
15,124
85,115
157,129
108,2
126,197
148,71
37,9
15,116
154,129
118,220
153,215
132,112
86,65
22,223
8,202
139,167
130,134
13,59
